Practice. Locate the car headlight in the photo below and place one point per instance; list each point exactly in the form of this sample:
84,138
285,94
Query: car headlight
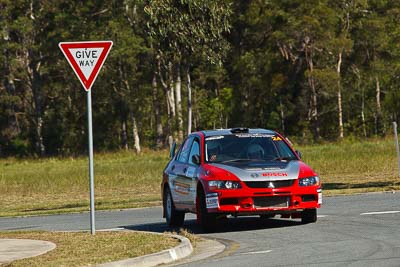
309,181
223,185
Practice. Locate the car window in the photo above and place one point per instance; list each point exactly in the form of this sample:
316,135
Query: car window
195,150
184,153
283,148
246,147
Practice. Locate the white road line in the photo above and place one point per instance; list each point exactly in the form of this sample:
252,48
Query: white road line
381,212
322,216
255,252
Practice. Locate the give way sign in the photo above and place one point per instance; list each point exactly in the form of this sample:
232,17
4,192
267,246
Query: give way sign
86,59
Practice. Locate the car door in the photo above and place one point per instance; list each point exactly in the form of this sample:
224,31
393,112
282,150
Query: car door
179,184
185,170
191,174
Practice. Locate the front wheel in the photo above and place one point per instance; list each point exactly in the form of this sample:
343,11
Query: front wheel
309,216
173,216
207,221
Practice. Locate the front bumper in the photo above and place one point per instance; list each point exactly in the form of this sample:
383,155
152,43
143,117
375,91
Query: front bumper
264,200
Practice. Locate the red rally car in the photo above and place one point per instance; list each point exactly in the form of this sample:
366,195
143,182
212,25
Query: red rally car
238,172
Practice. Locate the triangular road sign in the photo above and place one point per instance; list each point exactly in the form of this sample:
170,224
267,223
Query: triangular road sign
86,59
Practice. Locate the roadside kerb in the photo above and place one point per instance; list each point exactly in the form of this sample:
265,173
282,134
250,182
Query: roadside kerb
183,250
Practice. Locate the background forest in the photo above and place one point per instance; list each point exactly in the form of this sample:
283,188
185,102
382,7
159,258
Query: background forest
313,70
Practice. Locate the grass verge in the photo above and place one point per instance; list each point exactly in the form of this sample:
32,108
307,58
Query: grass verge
126,180
83,249
355,167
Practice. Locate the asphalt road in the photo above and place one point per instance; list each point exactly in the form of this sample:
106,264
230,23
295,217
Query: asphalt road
360,230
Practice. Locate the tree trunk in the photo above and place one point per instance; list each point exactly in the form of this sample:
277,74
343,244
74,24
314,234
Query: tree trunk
339,96
13,128
171,95
378,115
308,50
33,62
169,98
189,88
35,86
282,116
135,135
157,114
314,110
124,135
178,100
363,114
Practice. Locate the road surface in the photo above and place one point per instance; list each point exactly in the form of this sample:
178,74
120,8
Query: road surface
358,230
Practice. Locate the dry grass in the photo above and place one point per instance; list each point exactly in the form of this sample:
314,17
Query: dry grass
355,167
126,180
122,180
83,249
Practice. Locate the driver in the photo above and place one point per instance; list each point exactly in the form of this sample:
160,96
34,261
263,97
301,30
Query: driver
213,150
255,151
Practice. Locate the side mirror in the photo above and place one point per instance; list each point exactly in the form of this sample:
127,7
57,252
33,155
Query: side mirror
196,159
299,153
172,150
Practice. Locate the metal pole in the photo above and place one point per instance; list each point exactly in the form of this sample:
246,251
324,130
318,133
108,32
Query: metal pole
91,172
396,138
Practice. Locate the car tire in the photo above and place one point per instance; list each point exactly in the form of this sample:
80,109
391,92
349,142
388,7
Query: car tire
174,217
309,216
207,221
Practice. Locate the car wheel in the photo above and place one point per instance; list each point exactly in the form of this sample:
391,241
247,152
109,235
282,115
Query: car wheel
173,216
207,221
309,216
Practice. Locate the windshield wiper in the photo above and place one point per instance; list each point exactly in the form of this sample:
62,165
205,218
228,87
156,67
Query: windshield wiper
235,160
284,158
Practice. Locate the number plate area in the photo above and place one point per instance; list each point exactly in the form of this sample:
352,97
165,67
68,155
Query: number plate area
271,202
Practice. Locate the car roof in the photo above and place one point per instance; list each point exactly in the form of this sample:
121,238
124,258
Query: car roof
216,132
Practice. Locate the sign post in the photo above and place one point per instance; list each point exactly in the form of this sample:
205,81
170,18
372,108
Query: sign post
86,59
396,139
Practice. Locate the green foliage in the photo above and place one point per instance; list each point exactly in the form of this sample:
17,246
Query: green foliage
252,63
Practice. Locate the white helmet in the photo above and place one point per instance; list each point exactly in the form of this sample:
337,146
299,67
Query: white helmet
213,147
255,151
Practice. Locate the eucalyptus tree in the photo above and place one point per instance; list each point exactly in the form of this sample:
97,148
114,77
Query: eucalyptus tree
372,46
302,32
9,101
347,11
28,26
183,32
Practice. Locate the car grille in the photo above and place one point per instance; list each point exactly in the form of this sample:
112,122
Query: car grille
308,198
271,202
270,184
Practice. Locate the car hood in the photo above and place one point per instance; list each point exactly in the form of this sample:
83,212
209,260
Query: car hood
267,171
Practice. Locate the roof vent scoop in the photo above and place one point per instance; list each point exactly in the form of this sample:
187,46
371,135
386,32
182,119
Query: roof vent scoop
239,130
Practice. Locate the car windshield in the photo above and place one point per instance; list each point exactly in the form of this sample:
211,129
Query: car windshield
247,147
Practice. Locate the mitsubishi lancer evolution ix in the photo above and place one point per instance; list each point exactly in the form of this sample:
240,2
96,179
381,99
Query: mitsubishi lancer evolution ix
238,172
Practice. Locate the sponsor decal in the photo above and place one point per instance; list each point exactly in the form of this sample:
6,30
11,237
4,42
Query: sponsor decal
319,191
269,174
241,135
181,188
271,185
215,137
276,138
212,201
